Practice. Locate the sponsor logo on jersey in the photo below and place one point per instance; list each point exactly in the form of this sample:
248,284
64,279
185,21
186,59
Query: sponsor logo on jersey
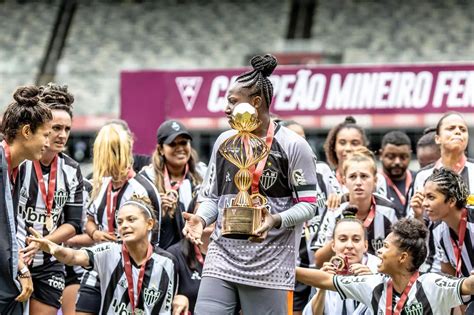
56,282
446,283
188,89
195,276
151,295
351,279
268,178
298,177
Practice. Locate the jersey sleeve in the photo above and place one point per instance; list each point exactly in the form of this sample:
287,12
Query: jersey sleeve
359,288
443,290
324,233
98,256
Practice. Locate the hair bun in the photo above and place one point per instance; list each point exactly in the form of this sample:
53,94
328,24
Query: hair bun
56,94
350,211
350,120
264,64
27,95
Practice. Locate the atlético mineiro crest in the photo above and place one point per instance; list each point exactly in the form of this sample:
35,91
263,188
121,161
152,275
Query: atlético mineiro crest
188,89
151,295
268,178
60,198
377,244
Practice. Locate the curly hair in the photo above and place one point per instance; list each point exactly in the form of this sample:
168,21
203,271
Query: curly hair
257,79
57,97
330,143
27,109
411,237
451,185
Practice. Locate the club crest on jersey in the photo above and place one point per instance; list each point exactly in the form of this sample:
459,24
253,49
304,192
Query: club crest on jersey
151,295
268,178
60,198
298,177
123,283
414,309
377,243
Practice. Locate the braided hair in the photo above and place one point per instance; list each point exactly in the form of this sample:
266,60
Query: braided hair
257,79
451,185
57,97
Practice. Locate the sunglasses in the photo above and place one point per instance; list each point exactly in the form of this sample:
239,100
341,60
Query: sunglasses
180,143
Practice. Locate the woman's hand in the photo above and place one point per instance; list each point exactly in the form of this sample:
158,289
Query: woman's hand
269,221
333,201
168,201
26,289
42,243
329,268
359,270
193,228
416,203
180,305
102,236
29,252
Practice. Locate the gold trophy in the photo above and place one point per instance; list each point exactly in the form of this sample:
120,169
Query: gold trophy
244,149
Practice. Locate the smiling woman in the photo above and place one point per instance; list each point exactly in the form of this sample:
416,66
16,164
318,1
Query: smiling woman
147,279
399,288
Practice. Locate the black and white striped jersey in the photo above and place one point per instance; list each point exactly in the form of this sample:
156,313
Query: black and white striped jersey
327,184
67,204
333,304
431,294
432,262
135,185
443,235
389,192
159,283
377,231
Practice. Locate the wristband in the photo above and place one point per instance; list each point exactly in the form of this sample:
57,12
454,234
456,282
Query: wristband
23,270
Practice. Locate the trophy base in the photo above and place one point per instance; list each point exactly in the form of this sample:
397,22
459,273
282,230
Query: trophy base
240,222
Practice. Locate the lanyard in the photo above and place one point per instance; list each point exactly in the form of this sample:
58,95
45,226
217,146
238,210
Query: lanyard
167,180
48,197
257,171
12,173
112,202
370,217
458,248
198,253
403,298
456,168
129,275
408,180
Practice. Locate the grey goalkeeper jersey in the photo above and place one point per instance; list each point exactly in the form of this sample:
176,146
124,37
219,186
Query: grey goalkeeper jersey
289,183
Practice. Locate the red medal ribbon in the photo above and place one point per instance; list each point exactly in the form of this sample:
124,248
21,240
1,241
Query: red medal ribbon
370,217
403,298
112,202
408,180
48,197
458,248
166,178
12,173
257,171
198,253
456,168
129,274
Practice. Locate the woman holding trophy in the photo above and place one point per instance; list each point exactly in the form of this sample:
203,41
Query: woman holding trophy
251,259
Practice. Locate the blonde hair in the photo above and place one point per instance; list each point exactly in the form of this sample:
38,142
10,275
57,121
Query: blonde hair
361,154
112,156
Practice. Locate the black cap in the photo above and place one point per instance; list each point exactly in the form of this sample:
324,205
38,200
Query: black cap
169,130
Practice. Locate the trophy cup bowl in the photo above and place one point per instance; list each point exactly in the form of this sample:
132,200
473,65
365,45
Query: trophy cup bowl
243,149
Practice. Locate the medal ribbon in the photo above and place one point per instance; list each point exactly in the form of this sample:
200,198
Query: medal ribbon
12,173
112,202
129,274
408,180
403,298
370,217
257,171
456,168
458,248
48,197
198,253
167,180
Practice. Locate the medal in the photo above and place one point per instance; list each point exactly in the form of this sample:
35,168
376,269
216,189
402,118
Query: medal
341,264
173,194
49,222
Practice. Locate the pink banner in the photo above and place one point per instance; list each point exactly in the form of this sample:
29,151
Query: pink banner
152,96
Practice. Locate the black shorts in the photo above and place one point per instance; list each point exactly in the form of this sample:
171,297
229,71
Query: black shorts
48,283
73,275
89,297
301,296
